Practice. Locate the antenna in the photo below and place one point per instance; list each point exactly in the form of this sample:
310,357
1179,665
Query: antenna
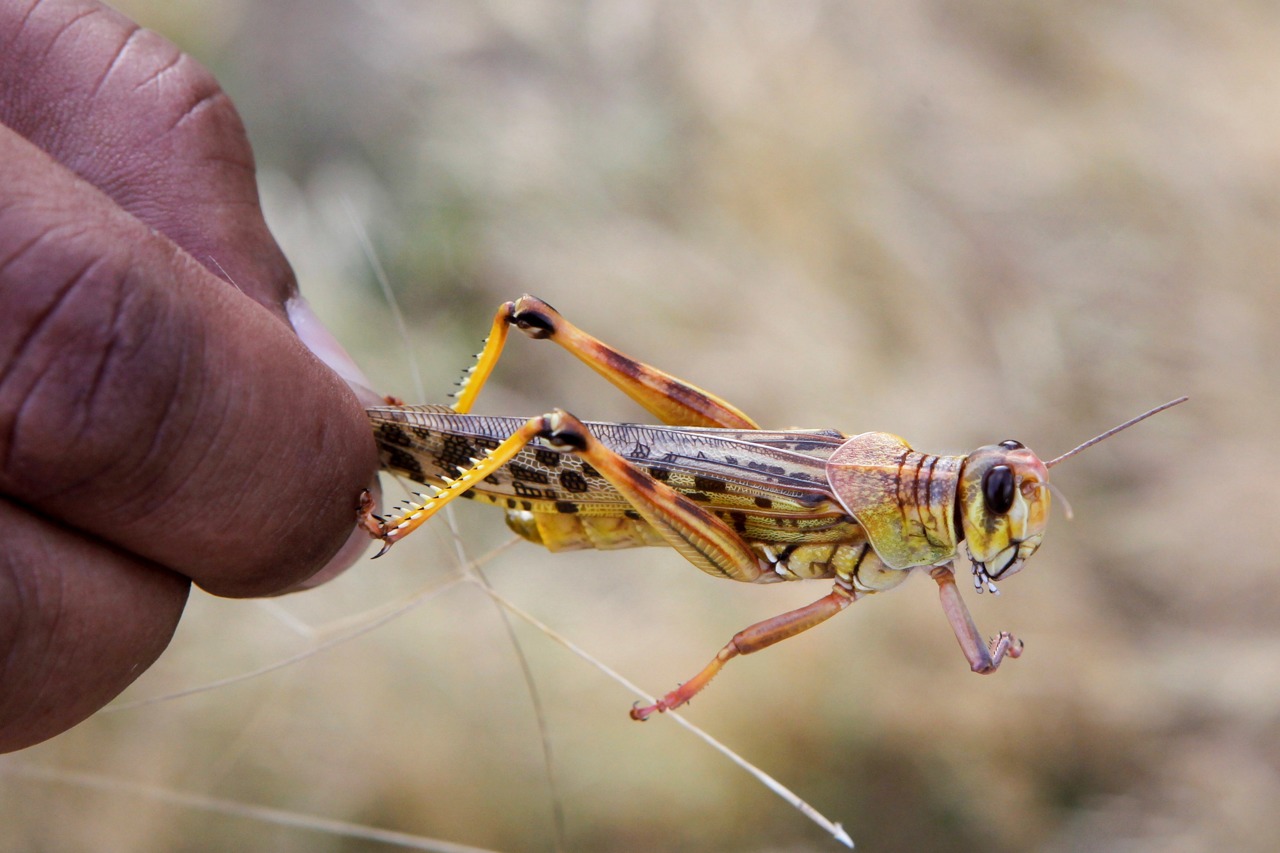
1091,442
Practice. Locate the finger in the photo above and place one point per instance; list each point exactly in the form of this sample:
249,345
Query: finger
147,125
79,621
145,402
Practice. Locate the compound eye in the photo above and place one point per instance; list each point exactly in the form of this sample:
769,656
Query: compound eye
1010,444
998,489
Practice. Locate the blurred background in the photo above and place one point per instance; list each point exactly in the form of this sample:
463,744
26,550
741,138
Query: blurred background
959,222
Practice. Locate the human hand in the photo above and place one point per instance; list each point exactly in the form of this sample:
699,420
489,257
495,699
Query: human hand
160,421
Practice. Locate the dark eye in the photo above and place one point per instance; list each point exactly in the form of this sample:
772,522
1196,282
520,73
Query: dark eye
1010,444
997,489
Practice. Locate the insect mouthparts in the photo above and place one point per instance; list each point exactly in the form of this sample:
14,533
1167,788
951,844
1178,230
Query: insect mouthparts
981,578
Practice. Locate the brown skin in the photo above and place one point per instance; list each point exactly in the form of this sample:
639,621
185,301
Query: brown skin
158,424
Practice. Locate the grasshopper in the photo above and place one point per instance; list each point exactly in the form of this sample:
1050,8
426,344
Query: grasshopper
737,501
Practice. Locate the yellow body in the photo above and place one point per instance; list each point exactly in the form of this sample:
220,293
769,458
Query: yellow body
769,487
790,495
734,500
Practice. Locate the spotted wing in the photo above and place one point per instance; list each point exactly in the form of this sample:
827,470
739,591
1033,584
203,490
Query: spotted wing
764,473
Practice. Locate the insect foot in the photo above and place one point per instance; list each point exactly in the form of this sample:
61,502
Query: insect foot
999,647
366,518
372,523
642,713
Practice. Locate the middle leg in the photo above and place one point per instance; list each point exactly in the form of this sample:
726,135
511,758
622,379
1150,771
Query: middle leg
759,636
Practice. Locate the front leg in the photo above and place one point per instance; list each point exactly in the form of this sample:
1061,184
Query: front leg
984,658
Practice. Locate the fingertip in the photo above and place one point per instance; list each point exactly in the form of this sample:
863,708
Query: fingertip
356,546
316,337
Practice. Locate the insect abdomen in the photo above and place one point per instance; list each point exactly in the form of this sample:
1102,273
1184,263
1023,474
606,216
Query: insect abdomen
569,532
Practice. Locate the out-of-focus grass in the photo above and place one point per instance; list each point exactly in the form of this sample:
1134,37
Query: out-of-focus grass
957,222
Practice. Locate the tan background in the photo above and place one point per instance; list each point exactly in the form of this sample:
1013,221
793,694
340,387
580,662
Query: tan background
960,222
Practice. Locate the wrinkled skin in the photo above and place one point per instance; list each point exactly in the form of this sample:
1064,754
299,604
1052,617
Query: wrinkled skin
158,424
